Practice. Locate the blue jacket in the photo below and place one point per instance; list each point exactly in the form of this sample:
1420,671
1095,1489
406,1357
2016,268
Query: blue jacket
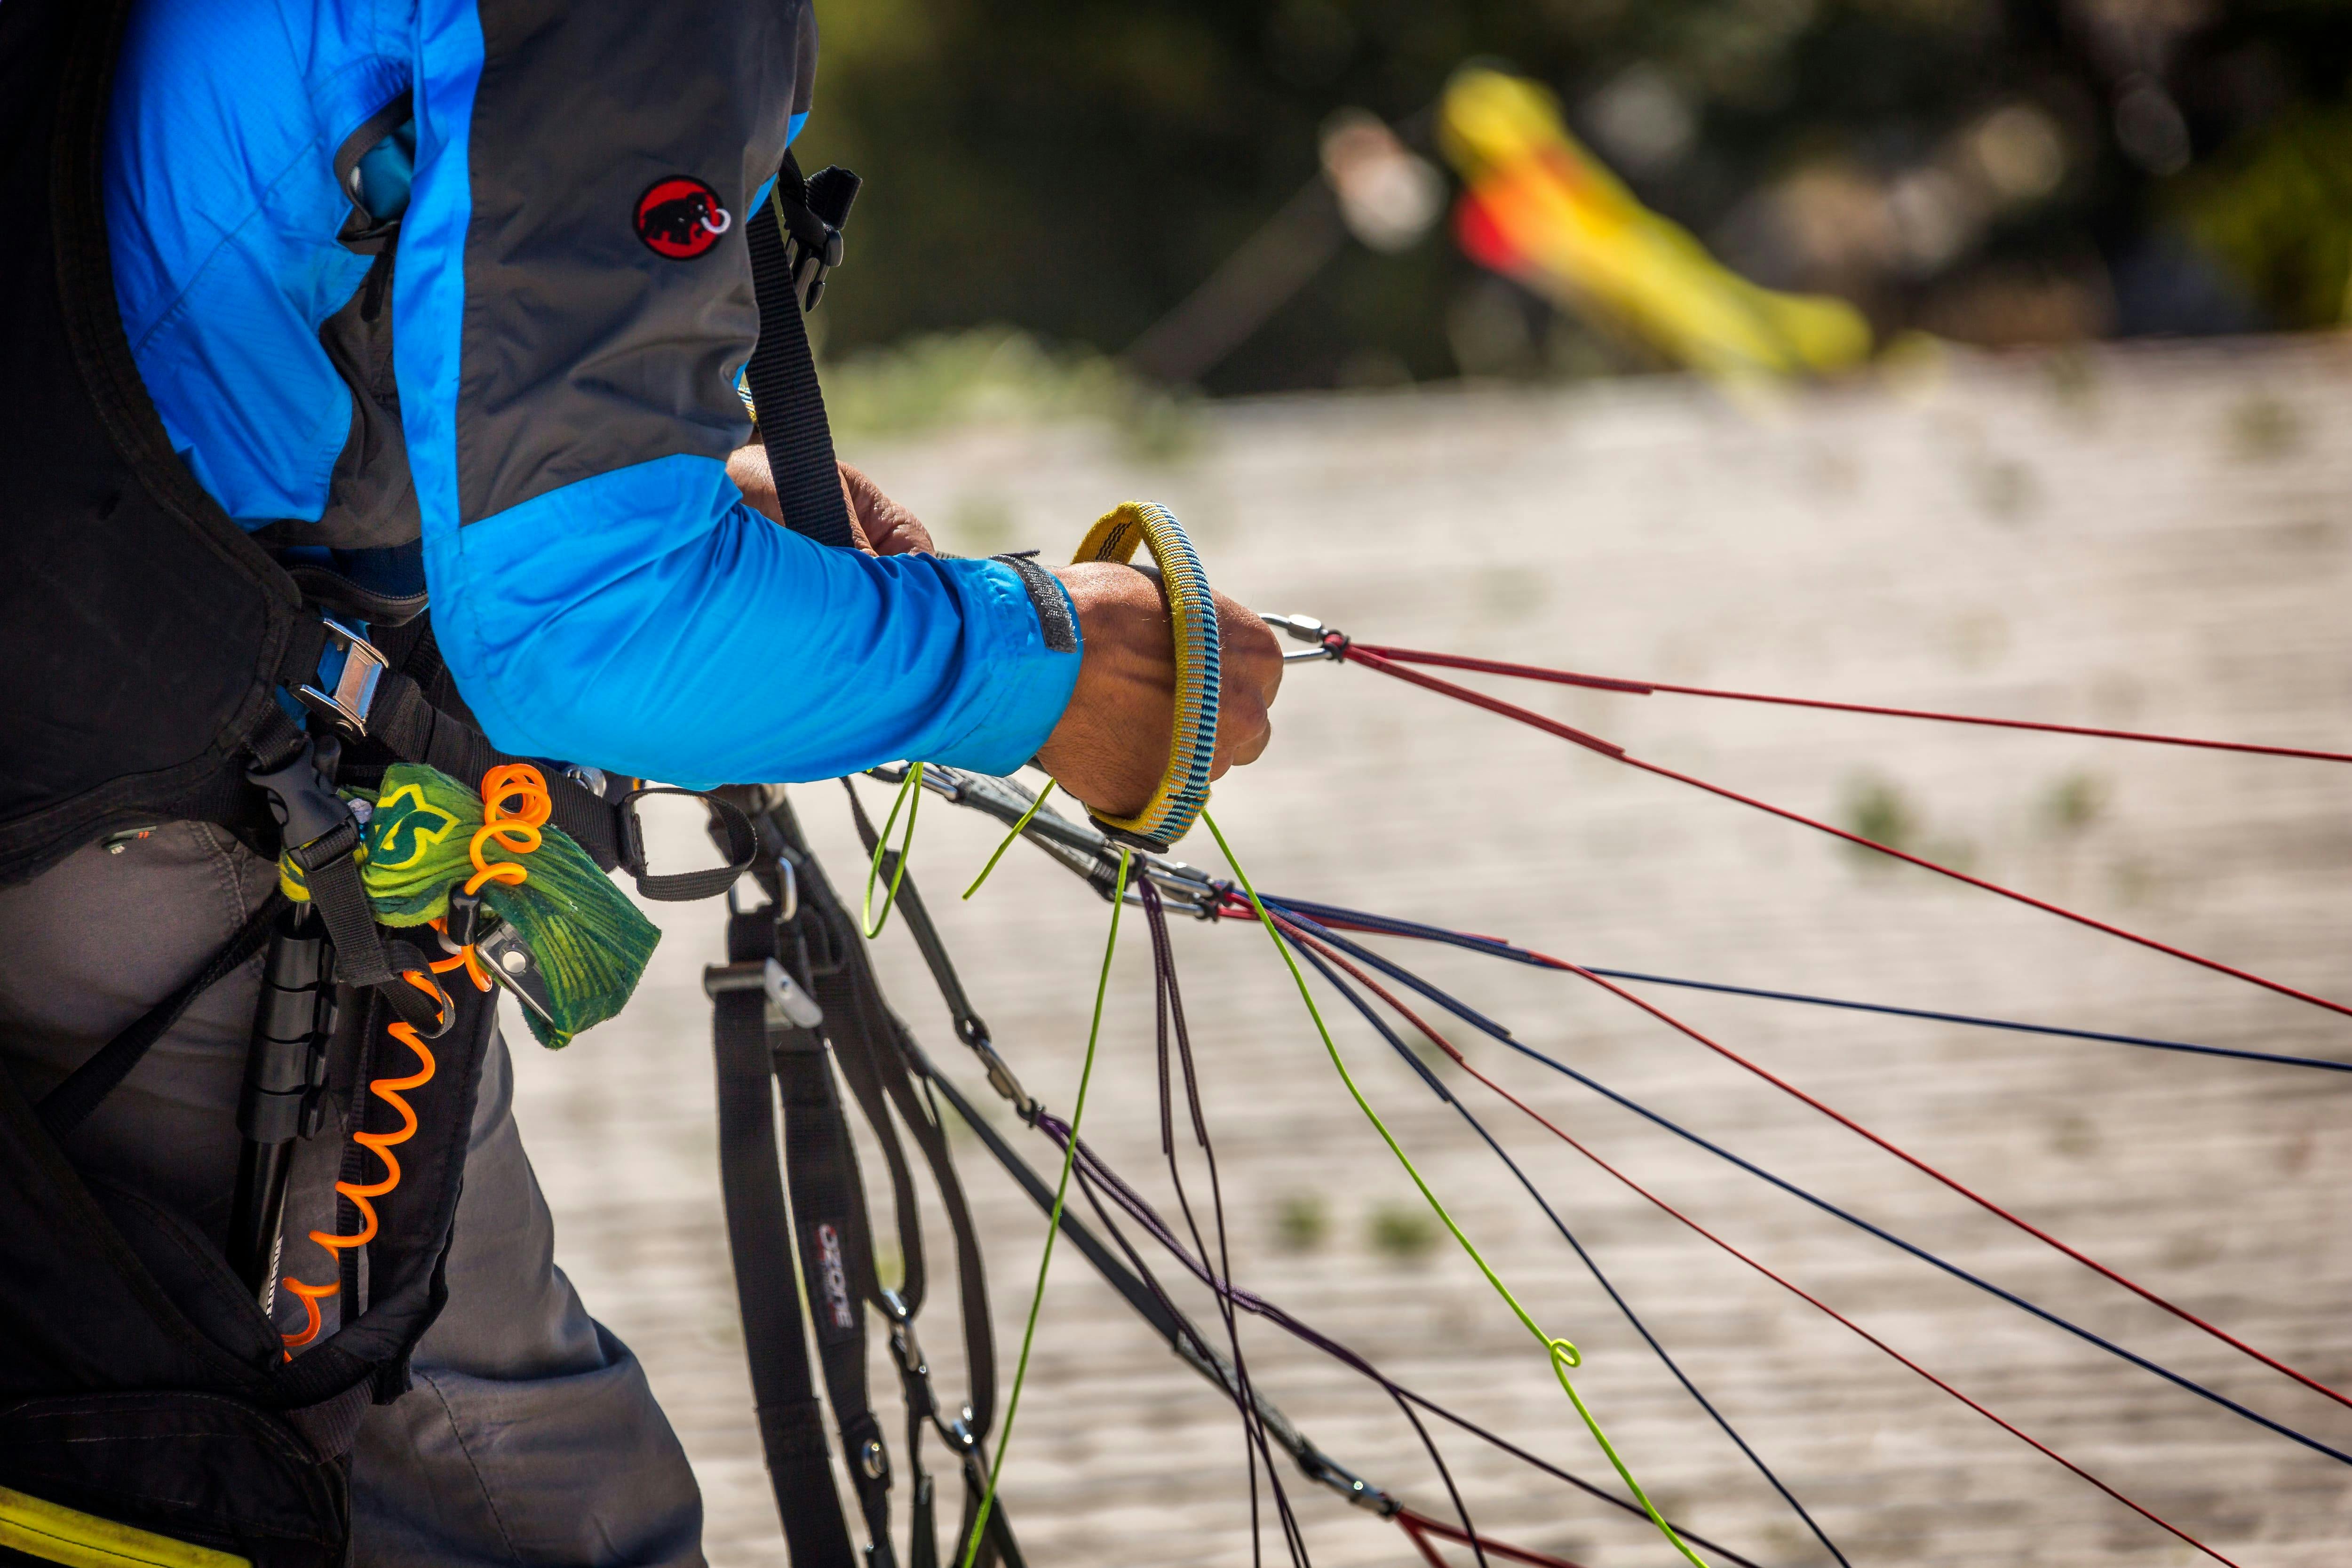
528,380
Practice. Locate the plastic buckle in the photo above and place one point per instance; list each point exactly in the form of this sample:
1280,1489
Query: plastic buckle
353,682
305,805
464,922
810,267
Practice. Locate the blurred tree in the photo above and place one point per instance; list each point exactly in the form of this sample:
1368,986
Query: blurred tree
1997,169
2277,209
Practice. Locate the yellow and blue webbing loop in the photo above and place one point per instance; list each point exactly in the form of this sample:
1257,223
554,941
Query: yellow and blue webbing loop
1183,789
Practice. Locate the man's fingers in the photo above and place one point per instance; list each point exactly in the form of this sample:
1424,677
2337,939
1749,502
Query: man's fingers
1244,731
857,528
891,528
1110,748
1253,674
748,467
1253,744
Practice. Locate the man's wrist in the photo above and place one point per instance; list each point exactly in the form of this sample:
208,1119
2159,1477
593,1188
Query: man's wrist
1058,614
1028,680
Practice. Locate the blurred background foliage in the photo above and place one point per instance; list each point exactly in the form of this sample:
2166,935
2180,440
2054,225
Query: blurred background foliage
1996,172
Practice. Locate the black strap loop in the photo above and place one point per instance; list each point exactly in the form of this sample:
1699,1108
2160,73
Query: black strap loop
837,1260
742,847
876,1059
781,373
332,872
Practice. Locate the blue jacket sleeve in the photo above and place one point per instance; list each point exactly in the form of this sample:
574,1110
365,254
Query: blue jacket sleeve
678,635
599,591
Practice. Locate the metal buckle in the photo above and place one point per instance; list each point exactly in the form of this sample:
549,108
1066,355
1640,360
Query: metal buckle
781,910
787,1003
354,679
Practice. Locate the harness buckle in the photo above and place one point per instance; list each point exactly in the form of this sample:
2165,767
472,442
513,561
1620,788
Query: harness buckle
782,908
787,1001
356,666
810,267
306,808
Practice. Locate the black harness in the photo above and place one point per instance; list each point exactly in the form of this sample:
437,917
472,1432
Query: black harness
796,1003
148,639
799,990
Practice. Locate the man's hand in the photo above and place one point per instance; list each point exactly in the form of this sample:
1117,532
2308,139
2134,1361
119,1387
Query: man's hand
1110,750
880,525
888,528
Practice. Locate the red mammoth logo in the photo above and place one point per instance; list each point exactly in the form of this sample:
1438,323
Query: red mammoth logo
680,217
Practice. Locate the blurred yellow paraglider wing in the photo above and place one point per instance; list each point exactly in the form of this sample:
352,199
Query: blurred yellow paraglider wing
1542,210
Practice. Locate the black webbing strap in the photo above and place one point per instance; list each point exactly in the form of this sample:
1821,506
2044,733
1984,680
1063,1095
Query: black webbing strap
871,1046
898,1053
860,1029
729,828
861,1008
920,1114
790,1418
330,869
68,1105
829,1220
781,373
829,1202
411,727
323,841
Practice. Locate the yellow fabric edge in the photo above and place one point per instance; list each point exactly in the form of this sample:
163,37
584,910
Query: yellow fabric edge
56,1533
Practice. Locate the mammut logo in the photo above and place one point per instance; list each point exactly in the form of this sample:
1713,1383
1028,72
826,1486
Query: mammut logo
680,217
835,1277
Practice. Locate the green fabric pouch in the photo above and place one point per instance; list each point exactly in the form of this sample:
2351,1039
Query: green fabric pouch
591,941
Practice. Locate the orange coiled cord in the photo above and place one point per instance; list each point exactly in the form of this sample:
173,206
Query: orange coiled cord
389,1089
515,829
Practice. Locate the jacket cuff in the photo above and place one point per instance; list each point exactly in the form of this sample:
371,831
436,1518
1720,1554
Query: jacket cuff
1032,631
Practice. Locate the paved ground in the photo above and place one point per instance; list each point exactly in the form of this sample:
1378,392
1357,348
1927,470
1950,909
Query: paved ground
2151,538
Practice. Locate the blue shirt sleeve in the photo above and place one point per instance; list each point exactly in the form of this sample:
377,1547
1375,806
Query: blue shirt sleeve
599,591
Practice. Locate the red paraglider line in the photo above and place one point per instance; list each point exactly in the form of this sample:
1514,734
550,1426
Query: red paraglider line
1646,688
1358,654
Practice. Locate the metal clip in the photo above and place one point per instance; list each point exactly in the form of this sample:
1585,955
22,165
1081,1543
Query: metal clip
784,909
787,1001
353,681
1304,628
464,920
509,960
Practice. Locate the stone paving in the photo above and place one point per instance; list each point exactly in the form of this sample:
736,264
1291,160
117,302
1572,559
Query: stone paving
2155,538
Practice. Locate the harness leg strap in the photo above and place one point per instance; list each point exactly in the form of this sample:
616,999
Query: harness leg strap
790,1418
